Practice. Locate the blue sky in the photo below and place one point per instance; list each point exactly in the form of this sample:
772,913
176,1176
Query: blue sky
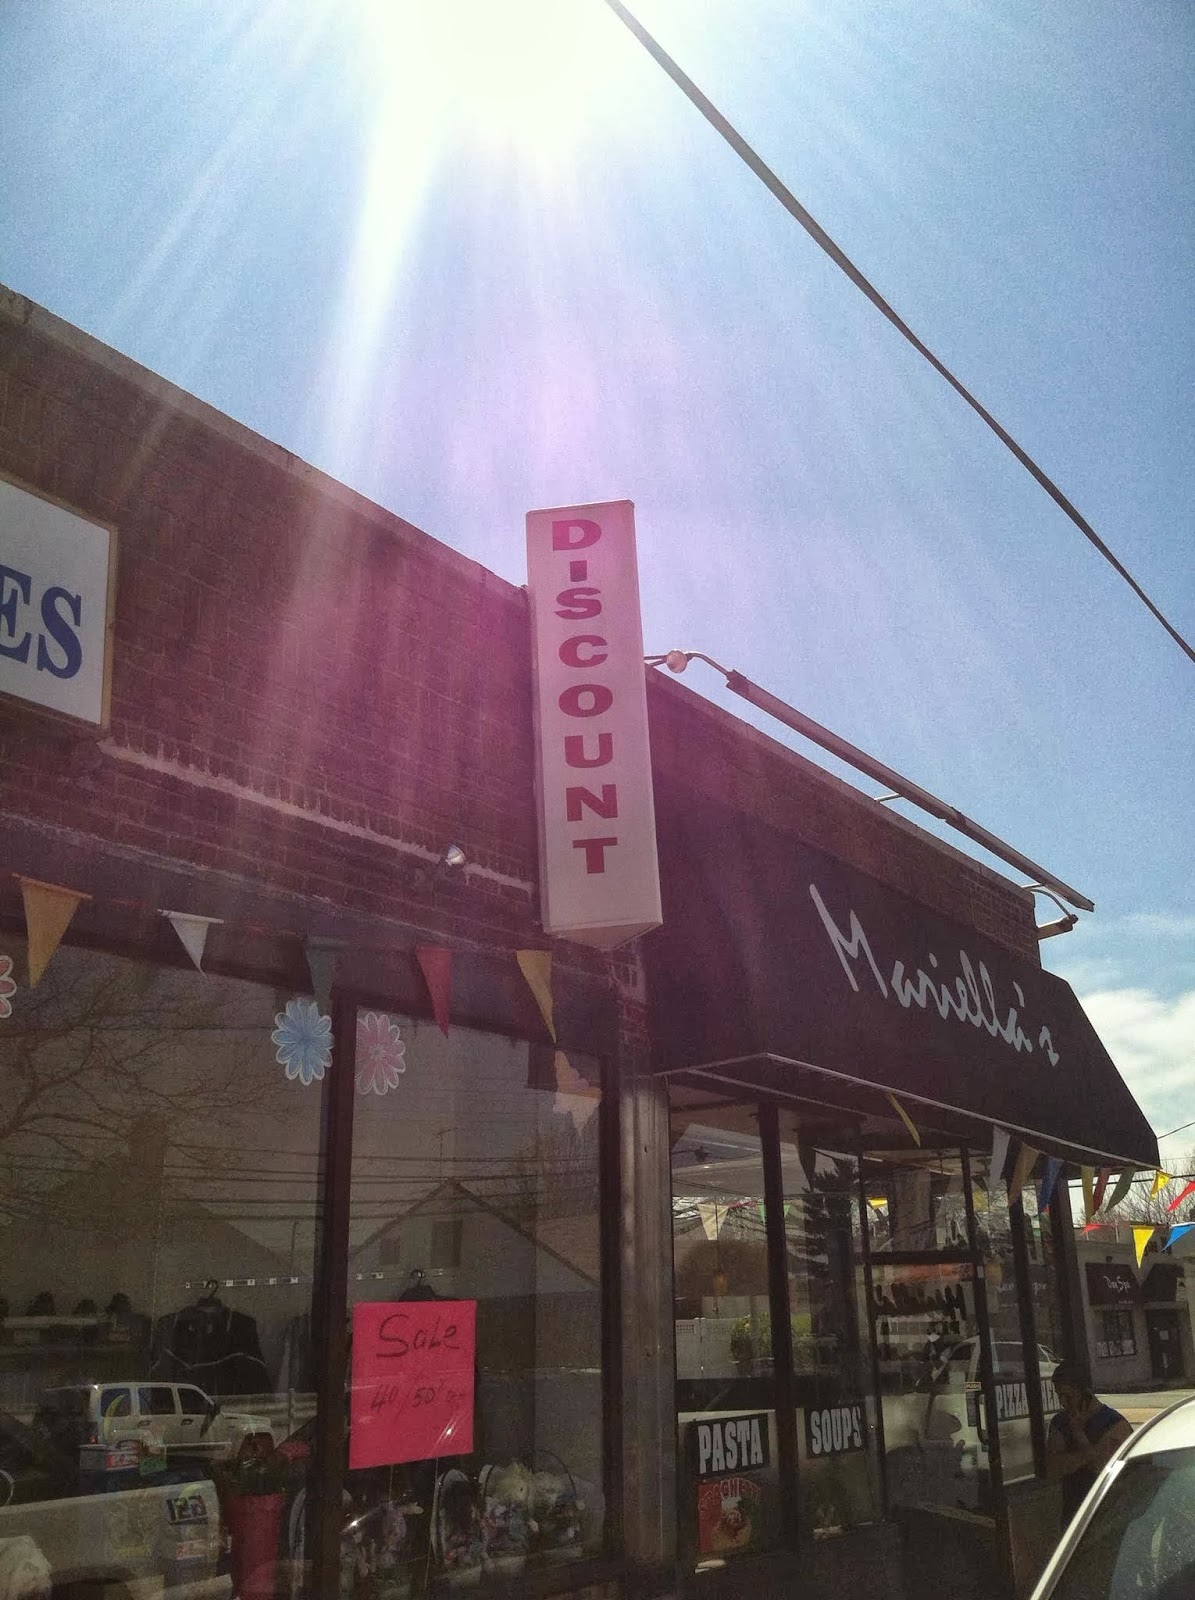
473,269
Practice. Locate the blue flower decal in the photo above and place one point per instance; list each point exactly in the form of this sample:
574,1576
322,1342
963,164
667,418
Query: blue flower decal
304,1040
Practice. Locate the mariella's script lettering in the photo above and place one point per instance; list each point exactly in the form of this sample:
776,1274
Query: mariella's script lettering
969,998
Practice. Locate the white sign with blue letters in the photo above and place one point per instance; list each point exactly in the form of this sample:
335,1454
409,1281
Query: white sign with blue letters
57,578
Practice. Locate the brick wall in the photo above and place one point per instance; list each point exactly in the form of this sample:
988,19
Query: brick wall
309,692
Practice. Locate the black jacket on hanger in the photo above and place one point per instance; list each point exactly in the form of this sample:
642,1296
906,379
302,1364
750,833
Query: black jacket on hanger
212,1346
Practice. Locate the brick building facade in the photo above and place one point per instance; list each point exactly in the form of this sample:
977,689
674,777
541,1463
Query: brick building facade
310,700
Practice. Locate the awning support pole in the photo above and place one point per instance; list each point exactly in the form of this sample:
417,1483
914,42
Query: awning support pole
676,660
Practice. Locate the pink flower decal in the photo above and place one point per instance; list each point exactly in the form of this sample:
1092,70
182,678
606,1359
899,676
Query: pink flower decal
380,1052
7,986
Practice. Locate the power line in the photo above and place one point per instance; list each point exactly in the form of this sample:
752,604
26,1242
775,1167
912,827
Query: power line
841,260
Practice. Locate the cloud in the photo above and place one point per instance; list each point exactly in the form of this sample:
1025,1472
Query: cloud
1151,1038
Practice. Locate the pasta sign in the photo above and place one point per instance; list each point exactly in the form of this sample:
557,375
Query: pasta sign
599,878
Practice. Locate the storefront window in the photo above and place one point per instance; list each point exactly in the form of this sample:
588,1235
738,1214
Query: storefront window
1011,1370
158,1212
832,1372
728,1478
476,1437
915,1201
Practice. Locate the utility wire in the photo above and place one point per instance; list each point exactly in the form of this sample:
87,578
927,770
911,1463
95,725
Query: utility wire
841,260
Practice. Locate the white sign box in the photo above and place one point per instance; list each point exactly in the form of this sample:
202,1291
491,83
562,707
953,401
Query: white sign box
599,878
57,581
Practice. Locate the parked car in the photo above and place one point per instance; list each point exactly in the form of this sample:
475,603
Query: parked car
1134,1534
176,1418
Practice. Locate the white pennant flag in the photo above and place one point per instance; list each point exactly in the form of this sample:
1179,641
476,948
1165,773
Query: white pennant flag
192,930
1000,1140
708,1211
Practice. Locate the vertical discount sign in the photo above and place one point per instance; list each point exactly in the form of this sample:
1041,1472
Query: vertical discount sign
412,1380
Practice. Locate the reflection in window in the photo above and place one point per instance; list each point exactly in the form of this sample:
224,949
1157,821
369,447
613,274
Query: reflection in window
831,1354
475,1179
158,1192
728,1491
915,1201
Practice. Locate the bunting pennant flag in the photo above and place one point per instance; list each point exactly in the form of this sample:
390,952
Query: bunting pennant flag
1087,1174
435,963
321,964
906,1119
536,967
1049,1182
1123,1184
1161,1179
1181,1196
193,932
1101,1184
1000,1143
1091,1226
1176,1233
48,912
1021,1168
711,1218
1141,1237
763,1212
576,1097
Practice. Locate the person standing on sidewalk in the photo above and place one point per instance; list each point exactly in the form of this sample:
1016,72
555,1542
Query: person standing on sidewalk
1083,1436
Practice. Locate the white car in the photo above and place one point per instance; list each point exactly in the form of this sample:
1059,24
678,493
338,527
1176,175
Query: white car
1133,1538
175,1417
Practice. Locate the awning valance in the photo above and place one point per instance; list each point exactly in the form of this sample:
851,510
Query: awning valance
771,948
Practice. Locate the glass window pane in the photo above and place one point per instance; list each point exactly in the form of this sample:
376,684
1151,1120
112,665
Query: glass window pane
156,1400
835,1400
935,1424
728,1489
160,1190
475,1282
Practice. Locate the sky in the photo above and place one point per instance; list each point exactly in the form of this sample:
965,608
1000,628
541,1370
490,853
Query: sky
481,256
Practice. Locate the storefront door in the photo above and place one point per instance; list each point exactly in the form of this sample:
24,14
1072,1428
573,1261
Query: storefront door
1165,1345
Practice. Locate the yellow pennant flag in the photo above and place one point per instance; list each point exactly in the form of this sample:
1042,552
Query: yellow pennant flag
1021,1168
536,967
48,912
1088,1176
906,1119
1161,1179
576,1097
1141,1237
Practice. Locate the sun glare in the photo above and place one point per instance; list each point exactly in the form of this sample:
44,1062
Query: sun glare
527,76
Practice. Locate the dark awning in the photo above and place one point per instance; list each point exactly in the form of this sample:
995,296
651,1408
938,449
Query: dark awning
1111,1284
771,949
1160,1286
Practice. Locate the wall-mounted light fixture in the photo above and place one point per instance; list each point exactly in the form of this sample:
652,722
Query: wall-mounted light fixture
448,867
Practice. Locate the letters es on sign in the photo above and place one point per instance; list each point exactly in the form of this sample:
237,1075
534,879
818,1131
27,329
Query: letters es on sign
412,1372
57,585
834,1430
599,877
731,1444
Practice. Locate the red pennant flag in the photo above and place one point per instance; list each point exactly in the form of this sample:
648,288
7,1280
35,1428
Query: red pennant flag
435,963
1101,1183
1181,1196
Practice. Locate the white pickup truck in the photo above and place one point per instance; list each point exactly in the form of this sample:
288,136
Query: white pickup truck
162,1542
142,1538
